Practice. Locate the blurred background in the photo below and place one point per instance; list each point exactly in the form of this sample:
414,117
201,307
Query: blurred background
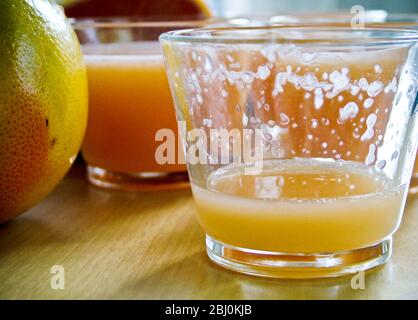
251,7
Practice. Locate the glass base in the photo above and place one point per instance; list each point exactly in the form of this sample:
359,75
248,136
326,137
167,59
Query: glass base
297,266
144,181
413,186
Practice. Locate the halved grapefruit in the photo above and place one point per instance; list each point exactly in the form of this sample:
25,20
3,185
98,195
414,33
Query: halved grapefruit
164,9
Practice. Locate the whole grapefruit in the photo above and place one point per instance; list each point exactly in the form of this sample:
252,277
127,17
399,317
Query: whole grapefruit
43,102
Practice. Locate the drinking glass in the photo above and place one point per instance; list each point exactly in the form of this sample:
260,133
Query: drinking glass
375,18
299,141
331,17
129,102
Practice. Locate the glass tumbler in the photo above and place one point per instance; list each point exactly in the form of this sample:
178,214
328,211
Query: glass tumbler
129,102
300,143
373,18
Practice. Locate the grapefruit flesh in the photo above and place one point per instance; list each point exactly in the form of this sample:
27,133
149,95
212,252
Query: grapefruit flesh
164,9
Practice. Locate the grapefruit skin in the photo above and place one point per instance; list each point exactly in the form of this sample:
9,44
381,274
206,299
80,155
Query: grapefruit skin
43,102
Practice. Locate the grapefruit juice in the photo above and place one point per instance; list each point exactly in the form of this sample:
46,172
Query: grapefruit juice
129,101
300,206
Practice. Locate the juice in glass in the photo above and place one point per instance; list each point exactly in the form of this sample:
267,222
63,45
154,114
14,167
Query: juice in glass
292,208
325,198
373,18
129,103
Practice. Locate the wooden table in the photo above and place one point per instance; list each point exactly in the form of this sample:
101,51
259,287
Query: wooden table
115,245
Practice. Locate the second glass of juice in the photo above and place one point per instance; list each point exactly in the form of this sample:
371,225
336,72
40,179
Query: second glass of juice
300,143
373,18
129,102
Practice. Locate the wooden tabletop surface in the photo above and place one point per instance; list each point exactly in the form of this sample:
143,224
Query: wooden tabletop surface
115,245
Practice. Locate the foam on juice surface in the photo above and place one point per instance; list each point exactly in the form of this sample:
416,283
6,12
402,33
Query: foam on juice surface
139,55
300,206
121,61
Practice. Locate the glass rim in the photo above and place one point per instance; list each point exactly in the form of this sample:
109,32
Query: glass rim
281,20
139,22
288,17
371,17
282,34
402,17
